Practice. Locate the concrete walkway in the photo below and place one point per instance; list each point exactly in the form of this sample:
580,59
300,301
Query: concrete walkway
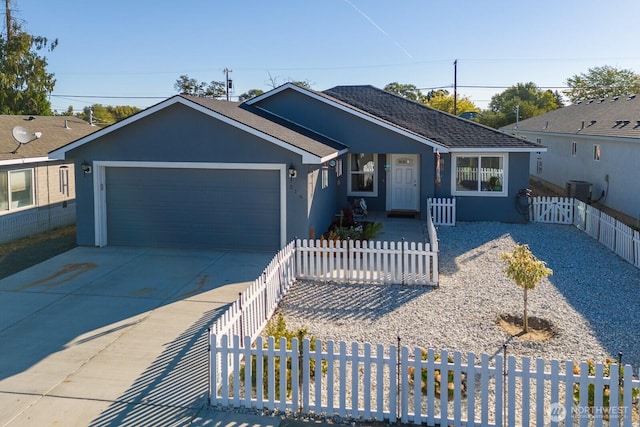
118,336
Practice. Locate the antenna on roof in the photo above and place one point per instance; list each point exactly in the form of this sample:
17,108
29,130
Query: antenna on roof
23,136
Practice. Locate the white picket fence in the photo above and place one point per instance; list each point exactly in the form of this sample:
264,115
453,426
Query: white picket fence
249,314
442,211
615,235
552,210
471,174
393,383
407,263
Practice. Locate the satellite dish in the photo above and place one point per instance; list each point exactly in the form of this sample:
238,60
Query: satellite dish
23,136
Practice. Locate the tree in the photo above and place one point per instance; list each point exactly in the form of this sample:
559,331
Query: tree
526,270
250,94
524,98
440,99
120,112
558,96
444,102
186,85
106,115
602,82
67,112
24,81
274,82
408,91
437,92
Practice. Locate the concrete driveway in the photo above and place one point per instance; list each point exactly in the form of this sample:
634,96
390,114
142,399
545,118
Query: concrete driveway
115,336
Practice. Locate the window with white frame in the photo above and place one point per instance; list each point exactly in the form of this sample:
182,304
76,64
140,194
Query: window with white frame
363,174
596,152
574,148
479,174
16,189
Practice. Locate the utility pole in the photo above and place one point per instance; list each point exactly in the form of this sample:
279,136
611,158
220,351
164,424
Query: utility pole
455,87
8,16
228,83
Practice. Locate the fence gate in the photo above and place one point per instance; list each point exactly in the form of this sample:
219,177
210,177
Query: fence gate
555,210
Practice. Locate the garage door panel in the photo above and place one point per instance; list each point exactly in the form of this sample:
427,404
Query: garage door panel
193,208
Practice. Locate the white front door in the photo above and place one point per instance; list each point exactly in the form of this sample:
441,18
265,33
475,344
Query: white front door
405,188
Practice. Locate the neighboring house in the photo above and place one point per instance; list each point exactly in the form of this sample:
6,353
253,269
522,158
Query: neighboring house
592,145
196,172
37,194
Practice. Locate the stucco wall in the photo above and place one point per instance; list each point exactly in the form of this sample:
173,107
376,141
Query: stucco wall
360,136
501,209
618,163
179,133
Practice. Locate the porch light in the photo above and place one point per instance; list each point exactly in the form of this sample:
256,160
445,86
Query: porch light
86,167
292,172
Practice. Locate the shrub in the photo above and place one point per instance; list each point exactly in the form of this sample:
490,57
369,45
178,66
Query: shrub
277,328
451,384
371,230
606,391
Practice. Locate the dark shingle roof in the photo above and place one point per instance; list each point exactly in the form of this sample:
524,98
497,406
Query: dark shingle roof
609,117
443,128
54,134
271,125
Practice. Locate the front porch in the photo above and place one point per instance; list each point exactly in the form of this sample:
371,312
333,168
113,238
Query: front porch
397,229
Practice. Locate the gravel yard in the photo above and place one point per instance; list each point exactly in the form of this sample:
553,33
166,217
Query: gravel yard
592,298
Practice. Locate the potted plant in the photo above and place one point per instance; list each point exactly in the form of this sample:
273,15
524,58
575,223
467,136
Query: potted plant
495,184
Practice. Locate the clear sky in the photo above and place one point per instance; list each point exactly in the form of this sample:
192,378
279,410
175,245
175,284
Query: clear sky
133,51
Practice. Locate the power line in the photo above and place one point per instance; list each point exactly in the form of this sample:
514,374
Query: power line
487,87
110,96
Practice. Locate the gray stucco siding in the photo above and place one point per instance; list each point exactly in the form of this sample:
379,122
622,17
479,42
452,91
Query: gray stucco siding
361,136
181,134
615,174
178,133
503,209
357,133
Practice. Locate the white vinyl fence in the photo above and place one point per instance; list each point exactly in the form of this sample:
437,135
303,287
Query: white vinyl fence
619,237
417,386
407,263
553,210
471,174
249,314
442,211
367,262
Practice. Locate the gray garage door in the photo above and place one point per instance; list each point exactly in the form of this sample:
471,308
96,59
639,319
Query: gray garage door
193,208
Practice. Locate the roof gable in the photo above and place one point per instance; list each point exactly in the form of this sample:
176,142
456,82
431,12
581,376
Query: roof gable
453,132
348,108
617,117
312,148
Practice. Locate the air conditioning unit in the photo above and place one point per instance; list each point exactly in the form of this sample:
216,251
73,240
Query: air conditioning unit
580,190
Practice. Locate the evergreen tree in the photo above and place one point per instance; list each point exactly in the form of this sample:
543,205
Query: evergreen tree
24,81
